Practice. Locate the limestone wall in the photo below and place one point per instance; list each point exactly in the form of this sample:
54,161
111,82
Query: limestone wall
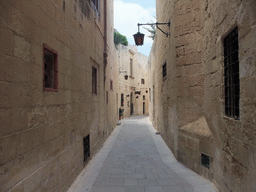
41,135
192,95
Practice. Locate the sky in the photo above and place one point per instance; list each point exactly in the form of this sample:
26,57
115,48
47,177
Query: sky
128,13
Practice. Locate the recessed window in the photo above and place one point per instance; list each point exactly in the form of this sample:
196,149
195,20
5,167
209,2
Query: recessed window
144,97
50,82
111,85
164,70
94,80
205,160
142,81
107,97
137,92
86,146
96,4
149,94
122,99
231,75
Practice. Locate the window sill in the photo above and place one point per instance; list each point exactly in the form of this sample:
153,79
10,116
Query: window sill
230,118
50,89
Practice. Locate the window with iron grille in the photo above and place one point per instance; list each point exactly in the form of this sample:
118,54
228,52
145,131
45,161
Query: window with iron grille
164,70
111,85
231,75
142,81
50,82
94,80
122,99
86,146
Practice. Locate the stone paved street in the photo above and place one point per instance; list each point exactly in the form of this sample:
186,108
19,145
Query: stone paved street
135,159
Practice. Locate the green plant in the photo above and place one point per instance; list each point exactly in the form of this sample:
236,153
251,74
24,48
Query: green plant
118,38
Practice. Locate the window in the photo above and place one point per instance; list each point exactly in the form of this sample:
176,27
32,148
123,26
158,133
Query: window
94,80
111,85
144,97
142,81
86,146
107,97
231,75
131,67
96,4
205,160
122,99
50,82
137,92
164,70
149,94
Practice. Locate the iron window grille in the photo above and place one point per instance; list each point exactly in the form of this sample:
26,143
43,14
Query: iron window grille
122,99
164,70
107,97
94,80
50,59
231,75
86,146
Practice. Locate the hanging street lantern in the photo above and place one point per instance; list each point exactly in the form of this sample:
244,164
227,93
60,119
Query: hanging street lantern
139,37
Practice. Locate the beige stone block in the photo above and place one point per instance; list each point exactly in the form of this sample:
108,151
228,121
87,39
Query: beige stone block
7,40
20,95
22,48
37,54
5,94
34,182
5,122
50,150
248,88
30,139
20,70
17,188
5,67
8,148
19,119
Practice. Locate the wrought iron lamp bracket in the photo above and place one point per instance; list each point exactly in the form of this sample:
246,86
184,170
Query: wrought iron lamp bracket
157,26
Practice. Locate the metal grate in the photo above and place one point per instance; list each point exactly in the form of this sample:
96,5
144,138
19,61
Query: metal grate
164,70
205,160
231,75
86,144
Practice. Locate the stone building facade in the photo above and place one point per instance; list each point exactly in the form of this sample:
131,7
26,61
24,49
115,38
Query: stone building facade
202,86
54,83
133,91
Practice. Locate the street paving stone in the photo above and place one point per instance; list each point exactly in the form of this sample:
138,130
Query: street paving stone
135,159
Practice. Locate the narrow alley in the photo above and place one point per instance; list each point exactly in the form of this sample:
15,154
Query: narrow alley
136,159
